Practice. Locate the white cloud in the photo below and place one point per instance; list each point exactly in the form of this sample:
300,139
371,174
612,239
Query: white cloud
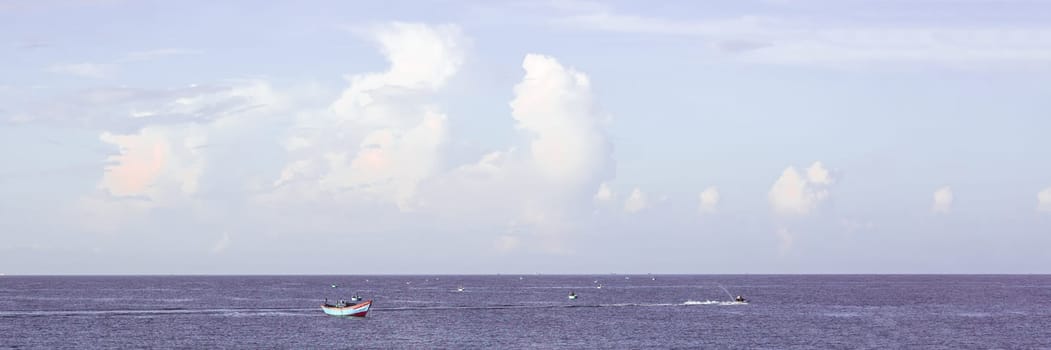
555,106
399,138
552,177
84,70
942,200
795,194
817,174
391,162
604,193
167,160
377,145
1044,200
155,162
164,165
709,200
636,201
422,59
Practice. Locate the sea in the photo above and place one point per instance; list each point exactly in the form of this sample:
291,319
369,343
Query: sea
613,311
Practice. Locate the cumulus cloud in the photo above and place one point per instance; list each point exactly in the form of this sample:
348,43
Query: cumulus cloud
168,164
378,146
552,175
391,162
83,70
422,59
399,139
154,162
636,201
797,194
709,199
554,105
604,193
942,200
168,159
1043,200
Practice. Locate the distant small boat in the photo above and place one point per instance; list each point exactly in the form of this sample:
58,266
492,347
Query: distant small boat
356,298
599,286
572,295
459,289
345,309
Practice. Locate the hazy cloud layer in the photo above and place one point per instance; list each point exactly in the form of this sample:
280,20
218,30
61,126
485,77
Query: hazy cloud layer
125,109
636,201
830,41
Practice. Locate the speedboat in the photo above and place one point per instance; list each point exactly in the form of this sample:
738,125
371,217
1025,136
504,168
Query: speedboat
459,289
572,295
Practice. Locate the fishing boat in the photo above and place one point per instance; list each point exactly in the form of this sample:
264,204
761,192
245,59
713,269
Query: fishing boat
572,295
343,308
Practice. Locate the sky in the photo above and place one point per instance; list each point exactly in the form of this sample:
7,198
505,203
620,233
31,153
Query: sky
562,137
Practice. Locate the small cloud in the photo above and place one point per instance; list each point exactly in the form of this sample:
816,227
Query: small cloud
709,199
636,201
221,245
85,70
794,193
604,193
942,200
1044,200
817,174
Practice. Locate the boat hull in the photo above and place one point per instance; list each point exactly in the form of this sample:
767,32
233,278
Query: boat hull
356,310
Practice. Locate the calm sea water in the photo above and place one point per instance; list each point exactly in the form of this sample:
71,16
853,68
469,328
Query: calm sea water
529,311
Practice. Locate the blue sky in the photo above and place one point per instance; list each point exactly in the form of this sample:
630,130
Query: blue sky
519,137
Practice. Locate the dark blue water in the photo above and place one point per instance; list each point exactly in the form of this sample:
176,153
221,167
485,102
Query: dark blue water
530,311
